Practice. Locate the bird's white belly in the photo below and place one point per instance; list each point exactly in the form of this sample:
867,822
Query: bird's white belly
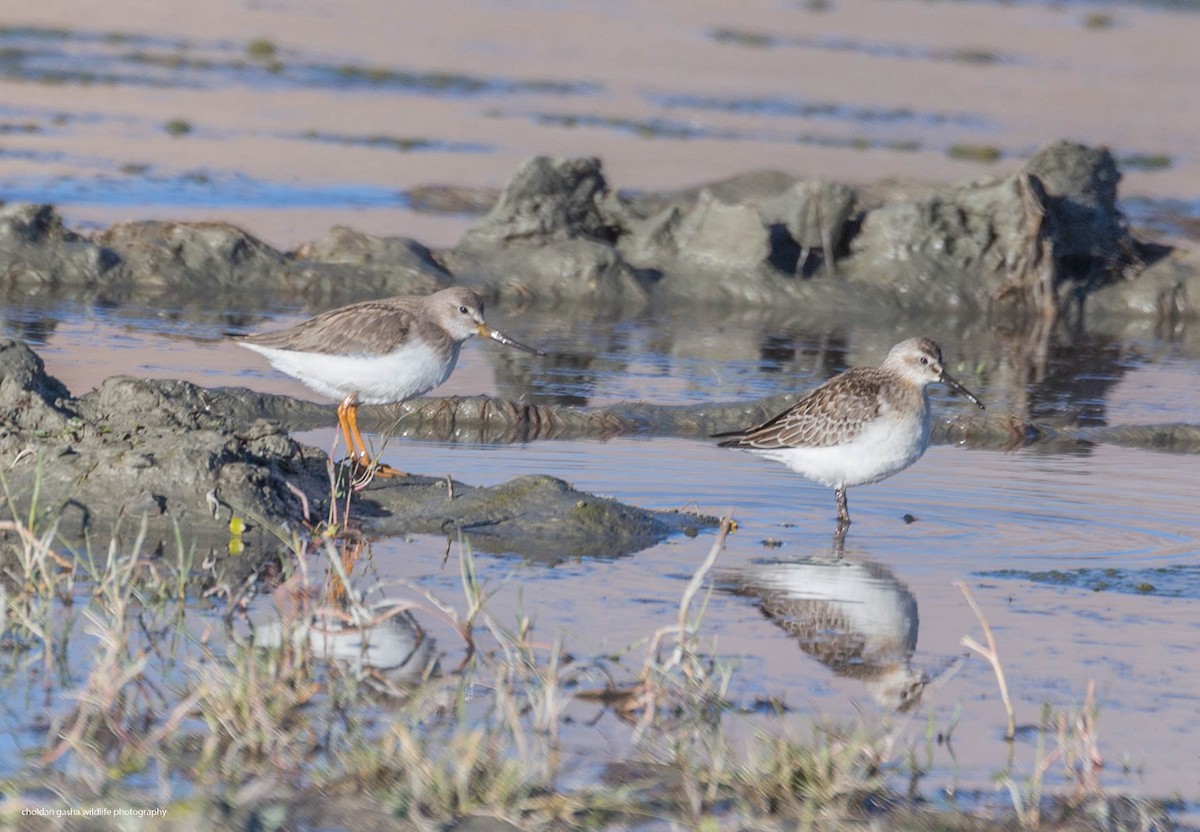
877,607
886,446
410,371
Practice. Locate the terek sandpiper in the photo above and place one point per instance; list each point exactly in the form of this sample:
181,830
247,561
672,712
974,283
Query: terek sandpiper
378,352
859,427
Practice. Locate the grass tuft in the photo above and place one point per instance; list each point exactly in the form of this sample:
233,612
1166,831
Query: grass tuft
148,700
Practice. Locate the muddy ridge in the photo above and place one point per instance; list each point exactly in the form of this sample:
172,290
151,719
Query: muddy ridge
1021,246
184,457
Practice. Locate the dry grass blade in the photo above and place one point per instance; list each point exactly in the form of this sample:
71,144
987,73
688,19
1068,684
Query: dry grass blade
993,656
683,656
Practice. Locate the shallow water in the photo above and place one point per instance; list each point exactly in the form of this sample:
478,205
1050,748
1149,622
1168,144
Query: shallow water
1083,560
1083,557
977,511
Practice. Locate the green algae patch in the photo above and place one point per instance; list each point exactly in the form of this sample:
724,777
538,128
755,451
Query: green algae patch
1165,581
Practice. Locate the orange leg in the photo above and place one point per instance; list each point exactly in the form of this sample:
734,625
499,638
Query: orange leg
348,421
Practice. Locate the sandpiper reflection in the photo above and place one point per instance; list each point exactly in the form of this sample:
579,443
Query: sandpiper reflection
380,639
853,616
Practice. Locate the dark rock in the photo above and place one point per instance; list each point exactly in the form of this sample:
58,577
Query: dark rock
344,245
576,270
210,255
755,187
547,200
1081,185
35,248
548,237
1165,291
347,265
1174,438
736,239
179,260
816,216
30,400
1023,242
170,450
947,250
712,235
496,420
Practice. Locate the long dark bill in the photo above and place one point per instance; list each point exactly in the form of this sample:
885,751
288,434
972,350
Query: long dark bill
951,382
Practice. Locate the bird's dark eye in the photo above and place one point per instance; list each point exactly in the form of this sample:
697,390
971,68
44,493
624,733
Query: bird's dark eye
924,360
463,310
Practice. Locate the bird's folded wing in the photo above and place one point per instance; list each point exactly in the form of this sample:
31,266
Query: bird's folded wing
370,328
831,415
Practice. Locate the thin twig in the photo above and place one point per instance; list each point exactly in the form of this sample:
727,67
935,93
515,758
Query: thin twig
992,655
698,579
300,495
653,669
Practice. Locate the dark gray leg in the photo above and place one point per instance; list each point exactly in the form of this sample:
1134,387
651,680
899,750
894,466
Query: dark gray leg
842,508
839,540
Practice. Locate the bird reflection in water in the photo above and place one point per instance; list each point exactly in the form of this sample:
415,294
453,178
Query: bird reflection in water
852,615
381,641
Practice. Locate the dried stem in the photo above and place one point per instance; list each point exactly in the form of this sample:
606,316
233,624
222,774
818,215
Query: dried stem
993,656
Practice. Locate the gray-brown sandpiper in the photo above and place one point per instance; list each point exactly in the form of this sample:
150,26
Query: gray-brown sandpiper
378,352
861,426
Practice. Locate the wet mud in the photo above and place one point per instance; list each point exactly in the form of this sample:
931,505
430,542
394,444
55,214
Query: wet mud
185,460
486,419
1163,581
1027,245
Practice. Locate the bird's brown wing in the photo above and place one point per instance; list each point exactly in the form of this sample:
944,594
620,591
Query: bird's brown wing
832,414
374,327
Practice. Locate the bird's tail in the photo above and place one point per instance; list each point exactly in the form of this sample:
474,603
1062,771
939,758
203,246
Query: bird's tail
731,437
